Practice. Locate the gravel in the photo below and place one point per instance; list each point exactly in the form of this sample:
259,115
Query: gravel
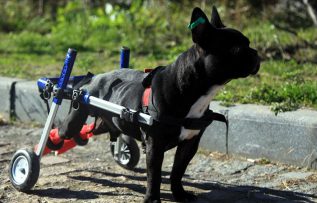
89,174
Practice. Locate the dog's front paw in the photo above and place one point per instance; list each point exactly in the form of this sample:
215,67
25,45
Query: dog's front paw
151,200
184,196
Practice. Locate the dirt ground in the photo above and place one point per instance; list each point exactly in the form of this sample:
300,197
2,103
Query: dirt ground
89,174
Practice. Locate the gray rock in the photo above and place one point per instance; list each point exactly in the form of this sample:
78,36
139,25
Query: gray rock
296,175
228,168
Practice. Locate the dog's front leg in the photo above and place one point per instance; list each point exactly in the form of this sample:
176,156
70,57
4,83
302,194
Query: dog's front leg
154,158
184,153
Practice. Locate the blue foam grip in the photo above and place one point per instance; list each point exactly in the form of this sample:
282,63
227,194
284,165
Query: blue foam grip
86,98
124,57
41,83
66,71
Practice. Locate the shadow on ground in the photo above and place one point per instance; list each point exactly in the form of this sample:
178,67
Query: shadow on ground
209,192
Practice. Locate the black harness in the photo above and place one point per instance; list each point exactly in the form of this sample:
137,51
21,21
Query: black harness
188,123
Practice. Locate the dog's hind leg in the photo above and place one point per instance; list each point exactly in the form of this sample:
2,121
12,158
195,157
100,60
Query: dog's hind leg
184,153
101,126
73,123
104,125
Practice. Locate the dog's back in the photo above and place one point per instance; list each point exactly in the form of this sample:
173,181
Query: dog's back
122,87
102,85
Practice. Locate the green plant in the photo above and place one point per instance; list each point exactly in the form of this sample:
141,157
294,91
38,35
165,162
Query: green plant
30,42
34,45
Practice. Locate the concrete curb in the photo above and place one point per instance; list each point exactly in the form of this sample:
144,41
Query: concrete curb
21,101
7,87
254,131
29,107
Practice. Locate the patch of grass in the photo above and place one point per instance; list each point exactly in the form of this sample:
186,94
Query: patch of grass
34,66
265,34
285,85
156,35
26,65
274,42
308,34
263,161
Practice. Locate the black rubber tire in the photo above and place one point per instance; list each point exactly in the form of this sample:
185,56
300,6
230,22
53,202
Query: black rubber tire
134,152
32,172
80,141
53,146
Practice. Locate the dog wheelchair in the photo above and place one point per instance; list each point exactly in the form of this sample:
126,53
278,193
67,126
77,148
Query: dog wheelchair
24,167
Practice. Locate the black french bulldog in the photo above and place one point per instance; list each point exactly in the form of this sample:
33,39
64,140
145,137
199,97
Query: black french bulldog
181,90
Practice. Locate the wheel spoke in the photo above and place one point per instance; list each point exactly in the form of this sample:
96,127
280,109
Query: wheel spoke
125,154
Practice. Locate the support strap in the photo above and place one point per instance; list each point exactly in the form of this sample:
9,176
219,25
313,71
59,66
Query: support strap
188,123
194,123
204,121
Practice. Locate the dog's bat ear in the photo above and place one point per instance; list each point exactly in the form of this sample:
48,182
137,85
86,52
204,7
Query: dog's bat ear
215,18
199,26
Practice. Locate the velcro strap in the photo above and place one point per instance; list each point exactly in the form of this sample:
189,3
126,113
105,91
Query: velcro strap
194,123
148,79
204,121
84,81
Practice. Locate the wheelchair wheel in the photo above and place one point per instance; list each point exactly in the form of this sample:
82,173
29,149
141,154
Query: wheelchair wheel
24,170
127,154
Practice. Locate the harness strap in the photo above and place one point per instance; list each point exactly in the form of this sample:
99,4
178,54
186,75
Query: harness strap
194,123
151,72
188,123
204,121
199,123
146,97
84,81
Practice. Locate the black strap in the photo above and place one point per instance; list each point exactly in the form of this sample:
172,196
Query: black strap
84,81
194,123
148,79
198,123
47,106
204,121
45,101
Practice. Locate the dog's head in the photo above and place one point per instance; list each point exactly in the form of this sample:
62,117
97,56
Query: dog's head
226,52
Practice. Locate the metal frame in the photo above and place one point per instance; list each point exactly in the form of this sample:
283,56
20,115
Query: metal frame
60,84
117,109
46,131
57,100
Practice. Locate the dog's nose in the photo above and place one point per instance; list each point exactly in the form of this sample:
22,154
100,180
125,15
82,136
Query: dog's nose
258,64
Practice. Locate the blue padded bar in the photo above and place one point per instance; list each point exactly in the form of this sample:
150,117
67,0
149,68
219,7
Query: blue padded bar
124,57
66,71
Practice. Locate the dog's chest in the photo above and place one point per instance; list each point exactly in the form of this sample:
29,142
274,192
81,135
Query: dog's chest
197,110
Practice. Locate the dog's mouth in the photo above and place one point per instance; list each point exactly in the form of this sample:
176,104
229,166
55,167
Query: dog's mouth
226,82
256,66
